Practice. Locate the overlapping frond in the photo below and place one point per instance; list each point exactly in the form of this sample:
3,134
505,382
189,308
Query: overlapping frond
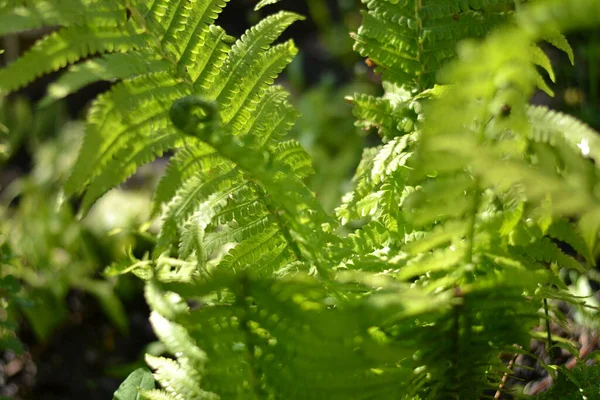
292,336
17,16
180,378
380,184
64,47
161,51
465,162
506,126
109,67
410,40
290,220
268,321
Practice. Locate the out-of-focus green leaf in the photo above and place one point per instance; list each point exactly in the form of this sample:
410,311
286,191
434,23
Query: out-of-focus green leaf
130,389
264,3
110,303
45,313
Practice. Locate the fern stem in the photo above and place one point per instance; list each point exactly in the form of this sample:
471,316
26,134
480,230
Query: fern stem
456,340
510,366
280,224
549,345
418,35
242,302
283,228
517,5
471,223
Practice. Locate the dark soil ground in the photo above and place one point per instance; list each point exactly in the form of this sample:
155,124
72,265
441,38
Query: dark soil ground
82,359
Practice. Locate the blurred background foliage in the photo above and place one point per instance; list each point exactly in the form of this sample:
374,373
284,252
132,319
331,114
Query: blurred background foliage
82,332
50,259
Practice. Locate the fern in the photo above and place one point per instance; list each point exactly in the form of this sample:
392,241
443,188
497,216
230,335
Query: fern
171,49
442,238
462,213
575,384
409,40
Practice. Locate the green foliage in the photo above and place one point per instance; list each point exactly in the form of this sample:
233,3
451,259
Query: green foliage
578,383
9,296
409,40
455,220
331,139
46,251
264,3
140,379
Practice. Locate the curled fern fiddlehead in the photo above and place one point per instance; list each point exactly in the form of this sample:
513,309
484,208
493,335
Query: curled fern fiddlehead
195,116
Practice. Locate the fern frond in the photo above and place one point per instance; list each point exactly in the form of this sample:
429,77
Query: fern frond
164,96
189,197
264,123
297,209
173,378
369,238
109,67
264,3
378,183
194,230
130,109
409,41
176,340
186,163
238,232
555,128
245,51
291,154
241,102
126,161
156,394
260,252
64,47
459,209
164,50
182,377
260,343
570,234
33,14
559,41
374,112
440,235
187,21
292,319
242,204
442,259
548,252
439,199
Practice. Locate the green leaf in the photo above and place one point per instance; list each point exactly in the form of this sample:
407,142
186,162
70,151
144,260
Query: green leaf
263,3
140,379
109,301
